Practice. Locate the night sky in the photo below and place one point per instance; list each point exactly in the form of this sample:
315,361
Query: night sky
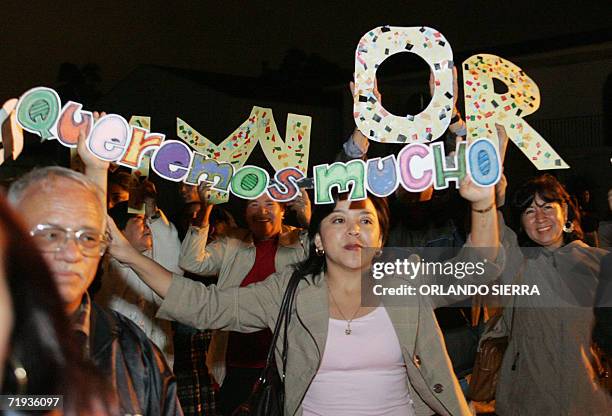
237,37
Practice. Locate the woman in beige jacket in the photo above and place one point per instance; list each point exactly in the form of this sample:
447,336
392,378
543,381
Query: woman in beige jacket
329,296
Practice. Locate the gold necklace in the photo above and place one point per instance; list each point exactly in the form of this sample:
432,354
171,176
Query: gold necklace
348,330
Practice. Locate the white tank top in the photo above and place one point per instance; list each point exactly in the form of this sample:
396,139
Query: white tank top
362,373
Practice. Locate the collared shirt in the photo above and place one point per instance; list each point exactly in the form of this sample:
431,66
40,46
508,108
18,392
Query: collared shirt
81,323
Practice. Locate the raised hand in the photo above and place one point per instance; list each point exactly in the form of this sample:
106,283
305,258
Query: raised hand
90,161
480,197
302,207
375,91
119,247
202,219
150,198
95,169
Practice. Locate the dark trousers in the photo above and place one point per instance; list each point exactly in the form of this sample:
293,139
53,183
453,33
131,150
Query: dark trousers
236,388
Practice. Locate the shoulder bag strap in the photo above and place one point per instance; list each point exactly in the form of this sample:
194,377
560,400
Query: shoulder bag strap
284,315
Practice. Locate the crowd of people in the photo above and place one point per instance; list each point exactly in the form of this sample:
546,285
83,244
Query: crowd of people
136,313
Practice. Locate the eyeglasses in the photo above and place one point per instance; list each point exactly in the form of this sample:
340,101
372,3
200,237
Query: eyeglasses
51,239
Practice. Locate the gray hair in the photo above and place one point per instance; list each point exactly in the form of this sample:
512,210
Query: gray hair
39,175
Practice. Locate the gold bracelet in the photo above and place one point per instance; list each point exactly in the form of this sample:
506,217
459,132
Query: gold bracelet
487,209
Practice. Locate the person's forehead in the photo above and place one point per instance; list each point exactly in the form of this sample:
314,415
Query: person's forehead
263,199
364,205
183,187
62,202
538,201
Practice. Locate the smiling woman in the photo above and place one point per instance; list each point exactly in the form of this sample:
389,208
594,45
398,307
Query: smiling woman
344,358
549,217
554,328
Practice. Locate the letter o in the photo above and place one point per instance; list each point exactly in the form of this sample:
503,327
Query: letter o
250,182
371,118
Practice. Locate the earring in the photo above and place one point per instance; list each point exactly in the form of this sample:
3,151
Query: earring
319,251
568,227
378,252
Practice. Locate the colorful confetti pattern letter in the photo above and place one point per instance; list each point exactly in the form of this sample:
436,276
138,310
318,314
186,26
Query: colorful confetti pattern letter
235,149
484,107
371,118
294,150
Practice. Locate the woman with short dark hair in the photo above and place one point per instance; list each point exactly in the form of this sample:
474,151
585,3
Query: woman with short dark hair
548,366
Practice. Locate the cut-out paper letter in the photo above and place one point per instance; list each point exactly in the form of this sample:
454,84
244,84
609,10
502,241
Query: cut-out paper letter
294,150
141,142
235,149
72,120
145,152
171,160
38,110
444,174
371,118
411,181
382,176
109,137
484,107
250,182
339,175
209,170
285,186
138,157
484,162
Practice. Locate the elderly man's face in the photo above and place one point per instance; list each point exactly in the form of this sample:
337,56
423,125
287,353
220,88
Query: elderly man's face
66,204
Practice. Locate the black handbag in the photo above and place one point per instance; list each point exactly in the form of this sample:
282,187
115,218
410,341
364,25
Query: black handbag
268,395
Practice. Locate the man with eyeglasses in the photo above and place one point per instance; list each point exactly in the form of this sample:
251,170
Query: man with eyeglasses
65,213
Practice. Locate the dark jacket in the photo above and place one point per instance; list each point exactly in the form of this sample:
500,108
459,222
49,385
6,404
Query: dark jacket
602,332
143,381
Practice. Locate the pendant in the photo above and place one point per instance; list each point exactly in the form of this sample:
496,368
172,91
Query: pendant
347,331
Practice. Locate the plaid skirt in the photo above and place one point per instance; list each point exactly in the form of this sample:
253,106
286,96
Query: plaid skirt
196,391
